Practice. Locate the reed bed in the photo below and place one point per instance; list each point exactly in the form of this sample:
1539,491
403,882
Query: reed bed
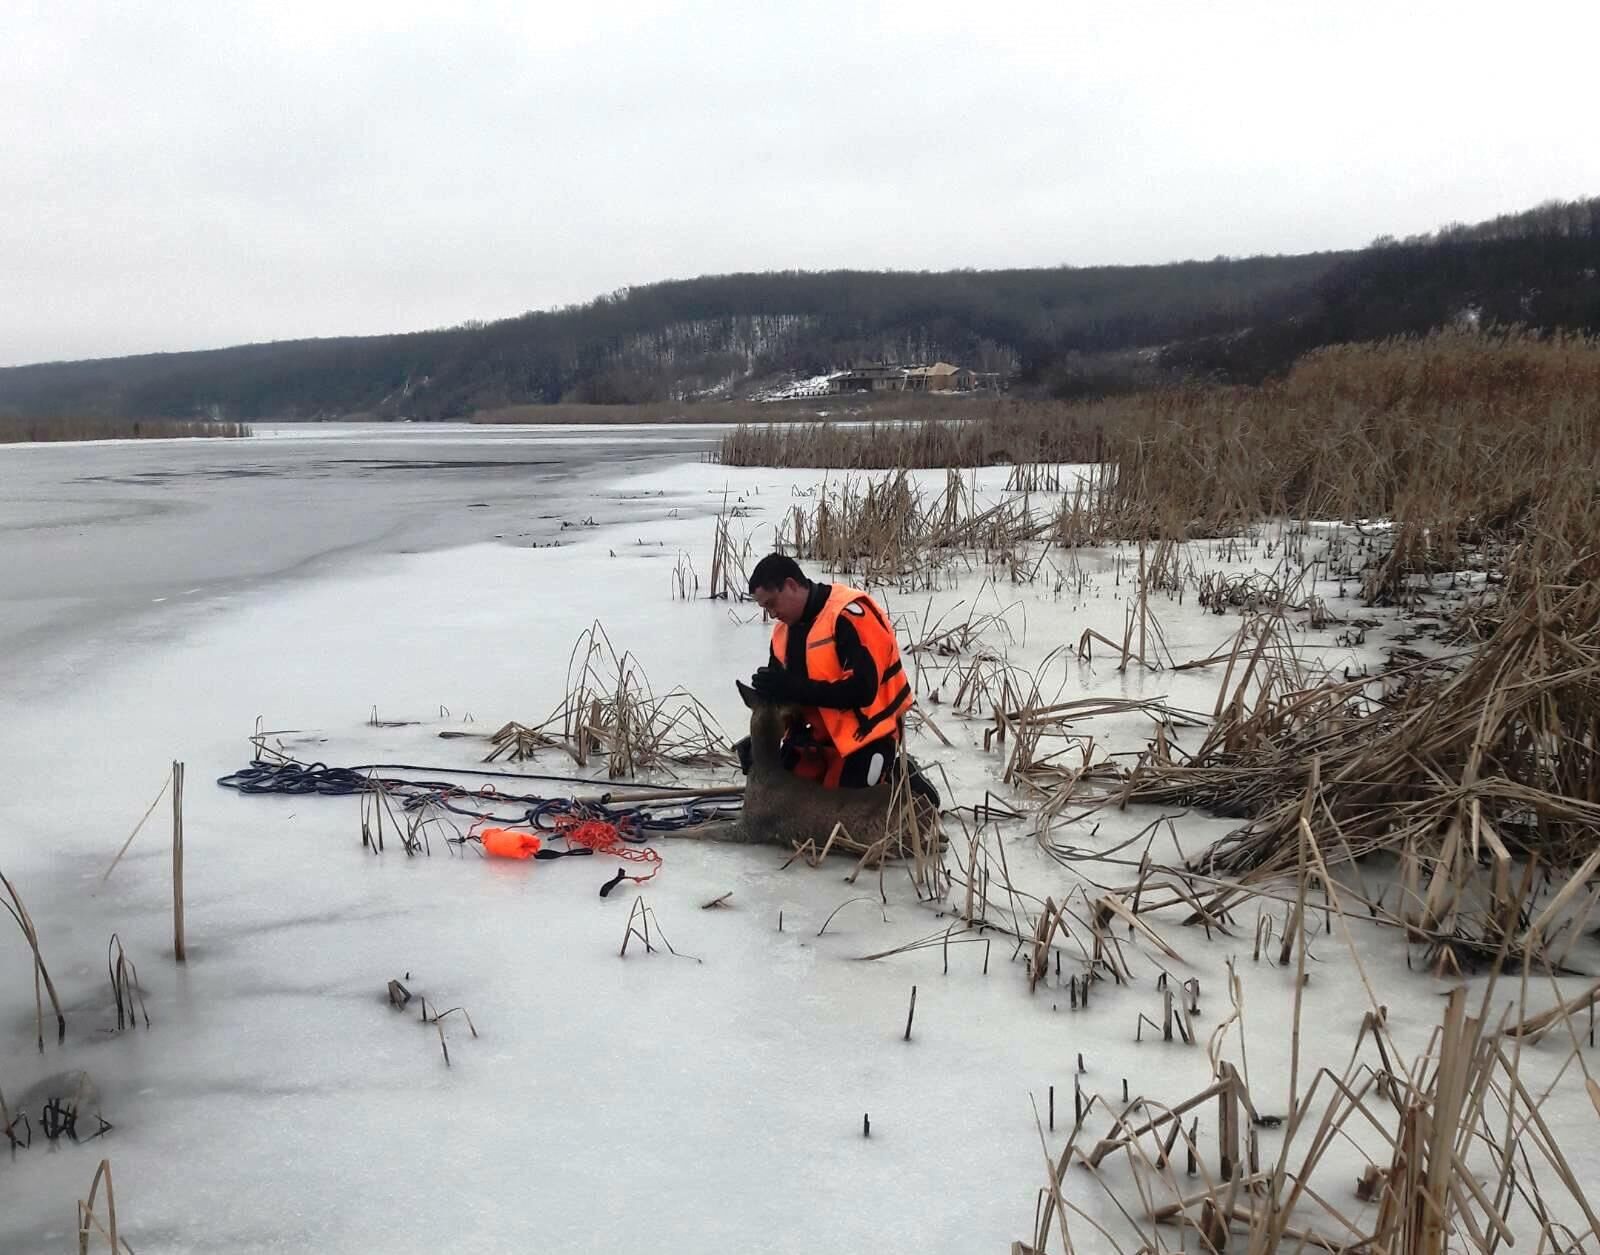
1467,1160
1460,441
32,430
1463,769
1459,1154
1008,432
1473,771
889,530
1457,439
1455,451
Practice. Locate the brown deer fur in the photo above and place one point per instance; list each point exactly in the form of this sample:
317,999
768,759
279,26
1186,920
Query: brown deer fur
782,809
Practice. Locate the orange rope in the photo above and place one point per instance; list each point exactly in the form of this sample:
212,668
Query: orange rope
605,838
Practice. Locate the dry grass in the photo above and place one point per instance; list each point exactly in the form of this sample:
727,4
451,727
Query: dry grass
889,530
517,742
1462,770
89,1222
1460,440
42,984
1024,433
611,714
641,919
1472,450
730,563
858,407
33,430
1477,774
1459,1154
1456,438
125,988
1470,770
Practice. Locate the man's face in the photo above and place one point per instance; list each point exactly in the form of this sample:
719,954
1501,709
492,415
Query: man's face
786,604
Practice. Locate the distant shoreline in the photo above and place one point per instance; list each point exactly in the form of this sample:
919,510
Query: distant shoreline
73,430
840,409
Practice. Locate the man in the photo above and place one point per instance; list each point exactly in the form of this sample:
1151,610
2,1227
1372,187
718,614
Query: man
834,654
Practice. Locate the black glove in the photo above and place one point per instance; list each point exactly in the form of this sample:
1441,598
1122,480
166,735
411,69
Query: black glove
772,683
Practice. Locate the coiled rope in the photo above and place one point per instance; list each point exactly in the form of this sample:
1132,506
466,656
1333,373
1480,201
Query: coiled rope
589,826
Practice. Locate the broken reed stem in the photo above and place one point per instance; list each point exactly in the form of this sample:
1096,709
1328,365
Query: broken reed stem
41,974
911,1013
150,810
124,985
89,1222
1304,834
1428,1200
178,948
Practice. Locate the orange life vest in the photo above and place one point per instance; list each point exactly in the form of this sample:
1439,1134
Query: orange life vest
849,730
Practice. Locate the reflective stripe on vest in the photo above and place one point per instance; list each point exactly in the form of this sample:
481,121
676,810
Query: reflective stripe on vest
851,729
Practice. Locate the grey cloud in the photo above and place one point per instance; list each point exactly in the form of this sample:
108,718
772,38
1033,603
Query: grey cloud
188,175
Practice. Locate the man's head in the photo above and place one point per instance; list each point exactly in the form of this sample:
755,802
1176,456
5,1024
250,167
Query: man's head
780,588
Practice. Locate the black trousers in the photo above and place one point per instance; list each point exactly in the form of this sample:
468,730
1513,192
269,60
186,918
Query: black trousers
864,767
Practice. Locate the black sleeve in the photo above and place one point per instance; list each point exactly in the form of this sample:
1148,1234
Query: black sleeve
852,693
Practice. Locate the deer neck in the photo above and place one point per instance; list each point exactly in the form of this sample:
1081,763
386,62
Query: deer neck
765,743
765,755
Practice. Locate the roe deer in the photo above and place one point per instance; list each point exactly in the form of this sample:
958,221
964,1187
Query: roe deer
781,808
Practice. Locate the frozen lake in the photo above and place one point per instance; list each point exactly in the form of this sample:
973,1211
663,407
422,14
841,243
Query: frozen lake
94,532
160,598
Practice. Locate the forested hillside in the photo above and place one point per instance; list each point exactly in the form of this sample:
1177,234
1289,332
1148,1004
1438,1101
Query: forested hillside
1540,269
1061,331
682,339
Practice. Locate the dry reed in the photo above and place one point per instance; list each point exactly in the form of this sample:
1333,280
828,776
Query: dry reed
42,984
610,713
1452,769
89,1222
1460,440
33,430
889,530
1004,432
179,950
1464,1157
125,988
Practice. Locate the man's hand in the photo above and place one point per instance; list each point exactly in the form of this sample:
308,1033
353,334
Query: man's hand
772,683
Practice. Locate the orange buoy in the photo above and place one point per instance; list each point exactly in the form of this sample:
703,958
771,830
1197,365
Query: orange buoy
508,843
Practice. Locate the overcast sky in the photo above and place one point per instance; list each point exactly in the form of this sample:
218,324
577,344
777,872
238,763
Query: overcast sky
184,175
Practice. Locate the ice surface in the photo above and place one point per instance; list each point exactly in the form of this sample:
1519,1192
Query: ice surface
711,1102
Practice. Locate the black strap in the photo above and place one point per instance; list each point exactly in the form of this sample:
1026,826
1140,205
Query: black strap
867,724
876,613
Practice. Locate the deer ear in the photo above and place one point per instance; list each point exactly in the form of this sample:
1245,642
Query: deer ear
748,694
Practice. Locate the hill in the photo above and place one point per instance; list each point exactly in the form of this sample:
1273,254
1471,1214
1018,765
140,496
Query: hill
1063,331
1539,269
678,340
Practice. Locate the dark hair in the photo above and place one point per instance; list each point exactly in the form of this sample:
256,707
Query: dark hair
773,570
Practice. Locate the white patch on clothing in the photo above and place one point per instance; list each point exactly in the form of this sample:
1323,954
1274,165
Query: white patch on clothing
875,770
